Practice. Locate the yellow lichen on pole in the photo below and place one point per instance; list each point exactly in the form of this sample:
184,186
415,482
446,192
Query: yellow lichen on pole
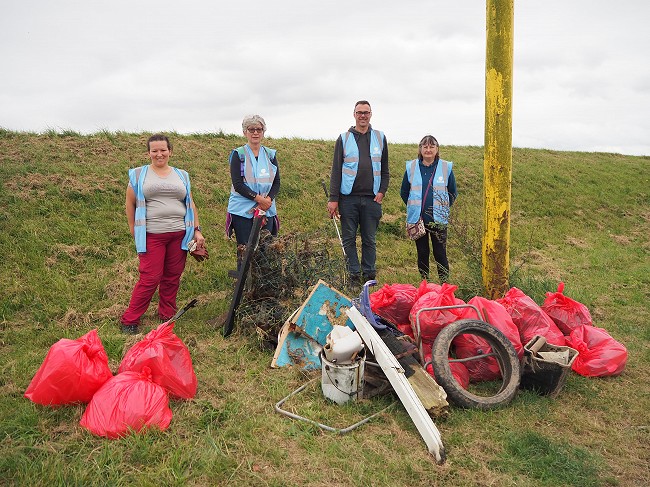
497,162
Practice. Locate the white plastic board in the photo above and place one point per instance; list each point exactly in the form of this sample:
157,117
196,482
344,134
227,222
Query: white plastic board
395,374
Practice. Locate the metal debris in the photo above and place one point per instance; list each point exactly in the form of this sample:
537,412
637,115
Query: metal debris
283,271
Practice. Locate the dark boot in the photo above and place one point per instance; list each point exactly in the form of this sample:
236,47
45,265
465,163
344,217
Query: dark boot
130,329
369,277
355,279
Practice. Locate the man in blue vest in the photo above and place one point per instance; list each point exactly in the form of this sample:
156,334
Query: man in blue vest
358,183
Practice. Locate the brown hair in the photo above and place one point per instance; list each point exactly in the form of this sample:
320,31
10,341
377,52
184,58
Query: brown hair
428,140
158,137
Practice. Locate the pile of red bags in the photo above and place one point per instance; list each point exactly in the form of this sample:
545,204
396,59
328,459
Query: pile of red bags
565,321
155,368
599,355
560,320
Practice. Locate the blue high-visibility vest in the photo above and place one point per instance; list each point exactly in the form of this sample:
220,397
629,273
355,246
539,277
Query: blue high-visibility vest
437,194
258,174
351,160
136,178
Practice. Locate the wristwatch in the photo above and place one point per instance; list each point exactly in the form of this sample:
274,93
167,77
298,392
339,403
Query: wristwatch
198,228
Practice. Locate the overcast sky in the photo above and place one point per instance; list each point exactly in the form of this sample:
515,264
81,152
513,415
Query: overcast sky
581,68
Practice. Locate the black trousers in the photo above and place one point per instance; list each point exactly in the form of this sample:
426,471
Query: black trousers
243,226
438,237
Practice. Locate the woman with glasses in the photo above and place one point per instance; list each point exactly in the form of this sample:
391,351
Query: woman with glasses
428,190
255,183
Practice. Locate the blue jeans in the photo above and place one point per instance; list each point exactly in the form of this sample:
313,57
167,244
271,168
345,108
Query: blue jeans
364,213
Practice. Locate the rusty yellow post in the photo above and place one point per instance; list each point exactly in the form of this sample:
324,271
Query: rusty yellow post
497,162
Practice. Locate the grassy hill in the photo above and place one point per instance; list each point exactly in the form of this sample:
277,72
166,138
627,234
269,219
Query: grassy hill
68,265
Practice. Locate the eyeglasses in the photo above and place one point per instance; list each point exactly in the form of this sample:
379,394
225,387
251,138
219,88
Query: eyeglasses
359,114
252,130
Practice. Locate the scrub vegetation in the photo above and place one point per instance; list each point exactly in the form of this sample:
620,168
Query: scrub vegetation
68,265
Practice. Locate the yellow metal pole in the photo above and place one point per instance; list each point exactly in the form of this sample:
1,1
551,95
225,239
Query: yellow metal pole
497,162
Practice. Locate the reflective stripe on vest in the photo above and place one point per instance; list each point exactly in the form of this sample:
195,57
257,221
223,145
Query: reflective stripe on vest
351,160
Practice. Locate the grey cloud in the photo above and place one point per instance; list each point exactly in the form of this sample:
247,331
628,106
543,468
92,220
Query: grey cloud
580,68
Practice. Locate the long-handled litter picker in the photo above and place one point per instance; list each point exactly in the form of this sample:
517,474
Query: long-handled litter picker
180,312
334,220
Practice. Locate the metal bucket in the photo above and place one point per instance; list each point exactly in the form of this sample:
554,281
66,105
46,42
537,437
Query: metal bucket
342,383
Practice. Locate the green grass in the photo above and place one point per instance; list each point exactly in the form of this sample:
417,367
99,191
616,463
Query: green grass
551,461
68,265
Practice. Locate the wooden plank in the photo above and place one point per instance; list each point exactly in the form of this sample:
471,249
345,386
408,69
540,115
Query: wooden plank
395,373
431,394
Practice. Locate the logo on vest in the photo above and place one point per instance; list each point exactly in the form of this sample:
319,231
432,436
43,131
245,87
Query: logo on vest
440,179
263,171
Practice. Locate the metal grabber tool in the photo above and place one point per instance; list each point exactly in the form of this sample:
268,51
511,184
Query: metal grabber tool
336,226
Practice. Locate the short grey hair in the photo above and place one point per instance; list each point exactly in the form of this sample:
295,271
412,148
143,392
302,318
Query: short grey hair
250,120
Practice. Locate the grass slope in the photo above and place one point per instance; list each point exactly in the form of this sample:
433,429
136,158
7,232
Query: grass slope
68,265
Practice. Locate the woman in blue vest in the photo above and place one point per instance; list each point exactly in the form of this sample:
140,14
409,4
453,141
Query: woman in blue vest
163,219
429,190
255,183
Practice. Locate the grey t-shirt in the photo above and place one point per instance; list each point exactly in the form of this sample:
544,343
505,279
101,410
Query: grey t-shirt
165,200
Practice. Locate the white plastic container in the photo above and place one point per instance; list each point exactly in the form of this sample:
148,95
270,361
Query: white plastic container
342,345
342,383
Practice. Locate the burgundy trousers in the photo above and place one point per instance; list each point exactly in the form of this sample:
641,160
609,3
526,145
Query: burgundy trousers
161,267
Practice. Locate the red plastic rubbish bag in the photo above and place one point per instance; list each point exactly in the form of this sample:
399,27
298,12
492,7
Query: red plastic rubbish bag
393,302
167,357
431,322
565,312
497,316
458,370
599,355
426,287
530,318
468,345
72,372
485,369
130,401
